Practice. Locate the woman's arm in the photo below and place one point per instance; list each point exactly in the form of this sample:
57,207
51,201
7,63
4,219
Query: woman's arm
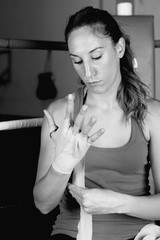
50,184
148,206
60,152
104,201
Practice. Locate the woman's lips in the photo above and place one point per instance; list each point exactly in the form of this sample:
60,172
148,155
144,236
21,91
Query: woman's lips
95,82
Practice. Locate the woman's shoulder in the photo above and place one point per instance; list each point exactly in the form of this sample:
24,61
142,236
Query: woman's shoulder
153,106
152,119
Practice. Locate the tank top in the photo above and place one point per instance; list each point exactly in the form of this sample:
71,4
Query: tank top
123,169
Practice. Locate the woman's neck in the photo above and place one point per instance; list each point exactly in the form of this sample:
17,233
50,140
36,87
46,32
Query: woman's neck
106,101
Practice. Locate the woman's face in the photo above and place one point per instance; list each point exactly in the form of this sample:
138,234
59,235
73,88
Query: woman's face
95,59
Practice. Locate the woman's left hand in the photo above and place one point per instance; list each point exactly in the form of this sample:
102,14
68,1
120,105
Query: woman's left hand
149,232
95,201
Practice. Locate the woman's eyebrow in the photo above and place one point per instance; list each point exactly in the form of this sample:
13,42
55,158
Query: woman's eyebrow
97,48
73,55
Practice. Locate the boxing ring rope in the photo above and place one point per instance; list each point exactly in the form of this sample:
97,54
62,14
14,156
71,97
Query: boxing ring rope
28,44
21,123
32,44
37,45
41,45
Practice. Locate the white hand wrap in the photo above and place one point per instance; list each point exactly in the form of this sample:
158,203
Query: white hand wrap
85,228
73,152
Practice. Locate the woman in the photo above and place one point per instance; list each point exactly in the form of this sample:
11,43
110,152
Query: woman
110,123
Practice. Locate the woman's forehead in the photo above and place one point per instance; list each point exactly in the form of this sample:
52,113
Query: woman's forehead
84,37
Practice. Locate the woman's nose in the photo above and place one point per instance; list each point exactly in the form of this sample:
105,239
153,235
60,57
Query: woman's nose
89,70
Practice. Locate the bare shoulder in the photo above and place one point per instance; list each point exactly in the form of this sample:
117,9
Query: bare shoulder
152,120
153,109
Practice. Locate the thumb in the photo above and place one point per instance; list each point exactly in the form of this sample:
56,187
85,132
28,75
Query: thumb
51,122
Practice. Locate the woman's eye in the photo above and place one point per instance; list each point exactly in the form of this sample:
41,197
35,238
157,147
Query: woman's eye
77,62
96,58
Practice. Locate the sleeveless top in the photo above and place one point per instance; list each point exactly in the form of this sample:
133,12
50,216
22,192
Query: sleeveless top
123,169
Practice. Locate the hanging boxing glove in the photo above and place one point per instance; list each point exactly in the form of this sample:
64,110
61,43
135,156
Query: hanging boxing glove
46,88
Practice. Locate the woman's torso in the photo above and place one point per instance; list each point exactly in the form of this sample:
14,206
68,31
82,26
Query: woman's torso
123,169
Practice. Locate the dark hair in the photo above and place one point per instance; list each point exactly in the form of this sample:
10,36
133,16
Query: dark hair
132,92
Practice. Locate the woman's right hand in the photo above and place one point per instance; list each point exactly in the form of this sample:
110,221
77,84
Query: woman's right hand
149,232
72,140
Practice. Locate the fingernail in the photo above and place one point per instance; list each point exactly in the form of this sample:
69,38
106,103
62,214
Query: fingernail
68,185
93,119
45,112
69,96
102,130
84,107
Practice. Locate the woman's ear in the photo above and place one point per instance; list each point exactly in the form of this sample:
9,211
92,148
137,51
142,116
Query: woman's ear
120,47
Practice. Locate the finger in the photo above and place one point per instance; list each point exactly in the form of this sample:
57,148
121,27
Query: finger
86,129
79,119
147,230
72,187
75,189
52,125
95,136
69,109
143,236
77,193
49,117
78,199
140,235
149,237
73,192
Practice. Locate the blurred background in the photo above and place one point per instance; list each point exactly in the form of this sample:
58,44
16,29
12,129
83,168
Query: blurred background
20,70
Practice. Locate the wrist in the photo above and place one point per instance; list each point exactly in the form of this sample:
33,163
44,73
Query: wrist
115,202
61,164
60,169
123,203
